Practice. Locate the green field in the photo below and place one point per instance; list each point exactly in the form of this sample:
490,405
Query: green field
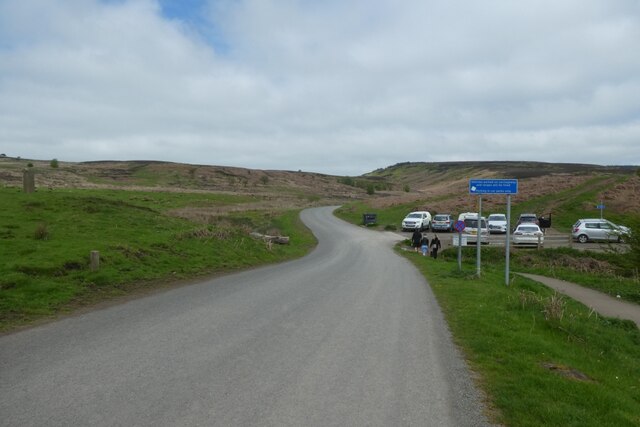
542,359
46,239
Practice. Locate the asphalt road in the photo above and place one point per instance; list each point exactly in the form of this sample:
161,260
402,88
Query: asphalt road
350,335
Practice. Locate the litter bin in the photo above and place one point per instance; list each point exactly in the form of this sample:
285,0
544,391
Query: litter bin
369,218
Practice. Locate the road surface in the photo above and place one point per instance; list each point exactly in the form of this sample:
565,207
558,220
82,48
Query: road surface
348,336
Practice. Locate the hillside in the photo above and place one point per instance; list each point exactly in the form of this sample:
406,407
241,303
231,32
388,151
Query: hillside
297,188
446,185
435,186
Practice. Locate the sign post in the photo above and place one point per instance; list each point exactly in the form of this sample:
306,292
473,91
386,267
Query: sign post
494,186
459,226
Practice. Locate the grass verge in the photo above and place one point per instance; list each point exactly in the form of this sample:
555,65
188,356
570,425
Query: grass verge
46,239
542,359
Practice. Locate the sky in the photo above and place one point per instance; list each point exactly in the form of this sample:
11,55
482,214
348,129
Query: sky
341,87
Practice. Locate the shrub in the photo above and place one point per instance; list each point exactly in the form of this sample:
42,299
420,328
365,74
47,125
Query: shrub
554,308
54,163
370,189
42,232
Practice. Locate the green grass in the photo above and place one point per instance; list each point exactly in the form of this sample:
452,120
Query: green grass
522,358
392,216
46,239
569,205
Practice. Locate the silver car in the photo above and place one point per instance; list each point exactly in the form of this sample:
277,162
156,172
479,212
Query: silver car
594,229
442,222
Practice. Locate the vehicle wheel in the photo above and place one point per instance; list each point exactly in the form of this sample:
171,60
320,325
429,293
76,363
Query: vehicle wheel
583,238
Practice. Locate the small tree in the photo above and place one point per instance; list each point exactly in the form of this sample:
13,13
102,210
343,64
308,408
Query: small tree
407,188
370,189
264,179
54,163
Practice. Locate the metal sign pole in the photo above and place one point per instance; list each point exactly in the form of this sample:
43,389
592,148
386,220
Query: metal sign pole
478,235
459,250
508,241
601,209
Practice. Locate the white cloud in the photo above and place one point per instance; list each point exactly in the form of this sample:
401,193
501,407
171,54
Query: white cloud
336,87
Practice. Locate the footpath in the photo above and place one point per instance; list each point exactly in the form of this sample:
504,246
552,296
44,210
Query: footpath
598,301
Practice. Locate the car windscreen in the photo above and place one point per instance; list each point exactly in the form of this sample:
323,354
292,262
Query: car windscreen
497,218
528,229
441,217
414,216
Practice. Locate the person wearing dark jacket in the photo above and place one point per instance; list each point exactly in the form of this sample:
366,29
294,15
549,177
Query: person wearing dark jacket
416,240
435,246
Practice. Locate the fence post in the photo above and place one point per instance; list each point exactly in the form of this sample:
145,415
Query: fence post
95,260
28,181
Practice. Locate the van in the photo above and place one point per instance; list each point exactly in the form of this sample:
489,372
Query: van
471,227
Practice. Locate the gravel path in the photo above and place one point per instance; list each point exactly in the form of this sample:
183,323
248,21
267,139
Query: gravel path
600,302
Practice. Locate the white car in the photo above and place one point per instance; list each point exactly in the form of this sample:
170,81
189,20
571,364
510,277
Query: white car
419,220
471,227
527,234
497,223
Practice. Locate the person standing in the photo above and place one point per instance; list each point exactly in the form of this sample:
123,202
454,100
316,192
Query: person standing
425,245
435,246
416,239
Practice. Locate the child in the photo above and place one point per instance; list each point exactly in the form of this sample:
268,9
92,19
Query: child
425,245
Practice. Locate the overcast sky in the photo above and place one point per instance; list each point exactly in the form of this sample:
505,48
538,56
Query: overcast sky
334,86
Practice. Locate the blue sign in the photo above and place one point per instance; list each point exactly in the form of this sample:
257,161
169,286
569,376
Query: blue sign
459,226
493,186
600,207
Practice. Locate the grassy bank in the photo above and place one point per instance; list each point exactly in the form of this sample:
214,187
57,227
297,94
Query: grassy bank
143,238
542,359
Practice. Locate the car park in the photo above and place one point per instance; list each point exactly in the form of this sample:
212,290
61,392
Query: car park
527,234
419,220
442,222
471,227
594,229
497,223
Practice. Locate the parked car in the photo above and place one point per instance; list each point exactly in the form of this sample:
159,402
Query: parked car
497,223
419,220
471,227
442,222
528,218
591,229
527,234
